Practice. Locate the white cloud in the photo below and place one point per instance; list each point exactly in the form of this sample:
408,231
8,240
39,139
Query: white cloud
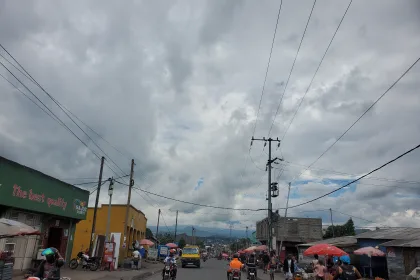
177,86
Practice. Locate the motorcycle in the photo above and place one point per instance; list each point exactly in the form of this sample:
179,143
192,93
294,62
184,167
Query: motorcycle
87,262
167,273
235,275
37,278
252,271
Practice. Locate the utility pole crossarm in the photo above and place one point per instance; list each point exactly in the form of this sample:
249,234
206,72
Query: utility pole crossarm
268,168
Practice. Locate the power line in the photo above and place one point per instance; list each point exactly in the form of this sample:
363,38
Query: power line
352,216
367,174
316,71
58,119
368,109
291,70
354,175
51,116
202,205
268,67
263,87
61,107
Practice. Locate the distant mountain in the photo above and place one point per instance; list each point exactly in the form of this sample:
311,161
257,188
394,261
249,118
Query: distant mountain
202,231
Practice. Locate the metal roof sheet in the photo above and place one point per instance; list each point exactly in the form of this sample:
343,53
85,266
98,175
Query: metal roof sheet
391,233
402,243
344,241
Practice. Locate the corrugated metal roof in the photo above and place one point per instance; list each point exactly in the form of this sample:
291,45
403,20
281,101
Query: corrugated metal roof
391,233
344,241
402,243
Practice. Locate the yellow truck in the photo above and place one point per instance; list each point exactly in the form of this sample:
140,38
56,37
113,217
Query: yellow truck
190,256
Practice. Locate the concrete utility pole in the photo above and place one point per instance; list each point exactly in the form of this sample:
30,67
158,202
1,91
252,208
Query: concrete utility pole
247,240
192,236
108,222
176,225
332,223
157,228
270,187
285,221
96,206
130,186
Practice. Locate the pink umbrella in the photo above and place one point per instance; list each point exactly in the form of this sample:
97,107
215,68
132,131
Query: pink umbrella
172,245
261,248
10,228
146,242
369,251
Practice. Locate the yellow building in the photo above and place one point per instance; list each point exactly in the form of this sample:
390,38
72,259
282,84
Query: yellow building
136,227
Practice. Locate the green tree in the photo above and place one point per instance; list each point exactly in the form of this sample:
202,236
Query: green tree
340,230
200,244
182,243
165,238
350,227
149,233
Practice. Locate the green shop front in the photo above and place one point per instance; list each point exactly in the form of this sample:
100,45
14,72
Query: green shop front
48,204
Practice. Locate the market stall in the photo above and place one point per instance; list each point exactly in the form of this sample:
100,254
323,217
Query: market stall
11,228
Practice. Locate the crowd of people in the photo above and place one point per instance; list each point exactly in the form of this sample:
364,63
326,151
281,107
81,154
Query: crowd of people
333,268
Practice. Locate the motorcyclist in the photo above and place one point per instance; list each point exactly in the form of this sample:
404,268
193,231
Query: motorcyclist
50,267
171,261
235,264
252,263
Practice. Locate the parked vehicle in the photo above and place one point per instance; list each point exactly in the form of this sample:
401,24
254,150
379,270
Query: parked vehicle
87,262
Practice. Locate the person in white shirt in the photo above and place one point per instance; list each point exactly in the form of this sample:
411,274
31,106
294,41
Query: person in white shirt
136,260
170,260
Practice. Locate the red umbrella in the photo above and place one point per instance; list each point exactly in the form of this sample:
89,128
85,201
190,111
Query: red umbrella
324,249
10,228
146,242
172,245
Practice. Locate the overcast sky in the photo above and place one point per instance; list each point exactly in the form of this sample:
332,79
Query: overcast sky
176,86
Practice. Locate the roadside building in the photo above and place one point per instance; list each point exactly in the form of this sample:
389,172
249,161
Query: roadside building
46,203
292,230
380,238
403,256
136,228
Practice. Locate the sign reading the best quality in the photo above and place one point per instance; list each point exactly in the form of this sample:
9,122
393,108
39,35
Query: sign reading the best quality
28,189
40,198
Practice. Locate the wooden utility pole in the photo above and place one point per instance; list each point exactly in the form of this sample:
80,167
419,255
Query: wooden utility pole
332,223
176,225
96,206
130,186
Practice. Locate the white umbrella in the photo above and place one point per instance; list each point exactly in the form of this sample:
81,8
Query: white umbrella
11,228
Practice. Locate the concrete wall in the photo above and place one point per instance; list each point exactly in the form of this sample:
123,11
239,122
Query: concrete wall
400,263
296,229
136,226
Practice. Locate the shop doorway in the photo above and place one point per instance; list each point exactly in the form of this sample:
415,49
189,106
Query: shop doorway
55,237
